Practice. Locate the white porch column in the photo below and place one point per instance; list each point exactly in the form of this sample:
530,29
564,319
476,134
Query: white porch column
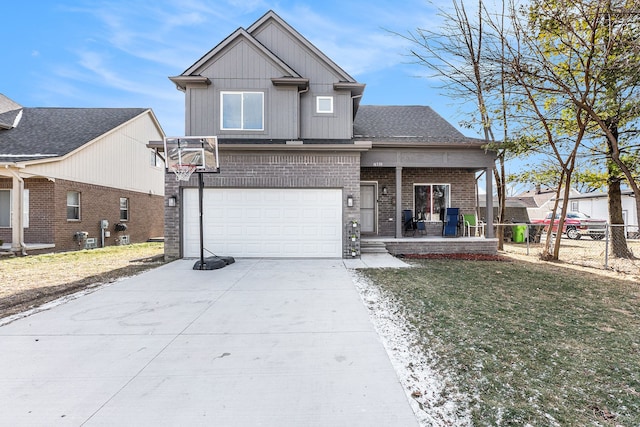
17,202
398,202
488,173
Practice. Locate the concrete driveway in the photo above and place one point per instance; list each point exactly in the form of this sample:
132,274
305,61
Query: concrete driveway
257,343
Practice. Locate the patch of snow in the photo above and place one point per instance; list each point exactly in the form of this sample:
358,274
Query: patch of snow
431,391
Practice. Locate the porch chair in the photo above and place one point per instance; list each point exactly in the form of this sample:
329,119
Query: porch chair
408,222
471,221
450,222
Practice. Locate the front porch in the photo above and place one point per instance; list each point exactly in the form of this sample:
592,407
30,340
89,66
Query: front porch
420,245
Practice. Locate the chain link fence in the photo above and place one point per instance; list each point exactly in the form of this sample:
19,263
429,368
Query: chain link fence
617,247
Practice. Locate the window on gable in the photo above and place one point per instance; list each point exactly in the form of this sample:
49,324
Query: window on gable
73,206
124,209
430,200
324,104
242,111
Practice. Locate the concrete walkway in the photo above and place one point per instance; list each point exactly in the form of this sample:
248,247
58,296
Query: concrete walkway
257,343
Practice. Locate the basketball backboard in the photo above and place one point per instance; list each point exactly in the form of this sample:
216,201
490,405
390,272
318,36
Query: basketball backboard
201,151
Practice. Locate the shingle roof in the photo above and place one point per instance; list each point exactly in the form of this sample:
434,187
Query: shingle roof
413,123
54,132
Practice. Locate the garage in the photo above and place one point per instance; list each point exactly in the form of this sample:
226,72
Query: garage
288,223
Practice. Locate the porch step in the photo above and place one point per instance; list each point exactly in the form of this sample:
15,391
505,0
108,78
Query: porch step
369,247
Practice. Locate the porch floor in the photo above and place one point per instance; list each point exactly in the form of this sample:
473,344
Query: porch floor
425,244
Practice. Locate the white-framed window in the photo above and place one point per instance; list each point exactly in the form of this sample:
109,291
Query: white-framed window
6,208
155,160
430,200
324,104
124,209
242,111
574,206
73,206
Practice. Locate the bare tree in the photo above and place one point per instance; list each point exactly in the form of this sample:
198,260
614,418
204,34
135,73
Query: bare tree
456,54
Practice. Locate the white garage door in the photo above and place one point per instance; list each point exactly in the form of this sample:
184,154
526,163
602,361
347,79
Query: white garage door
265,222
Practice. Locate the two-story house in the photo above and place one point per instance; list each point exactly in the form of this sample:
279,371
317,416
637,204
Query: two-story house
301,160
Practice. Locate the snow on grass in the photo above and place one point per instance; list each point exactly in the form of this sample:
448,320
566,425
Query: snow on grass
432,393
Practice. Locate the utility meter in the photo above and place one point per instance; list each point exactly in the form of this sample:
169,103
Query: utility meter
104,224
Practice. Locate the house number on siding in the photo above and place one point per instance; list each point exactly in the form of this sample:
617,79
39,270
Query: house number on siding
377,163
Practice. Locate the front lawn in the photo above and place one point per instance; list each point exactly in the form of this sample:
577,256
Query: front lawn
527,344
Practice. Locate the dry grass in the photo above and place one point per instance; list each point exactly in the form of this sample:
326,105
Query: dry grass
529,343
33,280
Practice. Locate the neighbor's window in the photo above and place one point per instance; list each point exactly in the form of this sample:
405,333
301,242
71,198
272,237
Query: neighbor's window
242,110
73,206
155,160
324,104
574,206
430,200
124,209
5,208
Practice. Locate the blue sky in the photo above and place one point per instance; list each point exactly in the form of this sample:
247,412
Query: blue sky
120,53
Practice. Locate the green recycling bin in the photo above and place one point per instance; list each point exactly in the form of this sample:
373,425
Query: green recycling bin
518,232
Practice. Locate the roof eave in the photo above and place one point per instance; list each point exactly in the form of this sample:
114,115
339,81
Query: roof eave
182,82
300,82
295,146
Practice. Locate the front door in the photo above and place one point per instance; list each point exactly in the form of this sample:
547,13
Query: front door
368,208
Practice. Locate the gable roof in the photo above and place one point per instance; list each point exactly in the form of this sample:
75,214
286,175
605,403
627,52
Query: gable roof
54,132
401,124
9,111
290,76
271,17
240,33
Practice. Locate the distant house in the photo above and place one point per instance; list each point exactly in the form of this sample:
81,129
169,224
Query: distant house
596,205
302,161
72,178
540,200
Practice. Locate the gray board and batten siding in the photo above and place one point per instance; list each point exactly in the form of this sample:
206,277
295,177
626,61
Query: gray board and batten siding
240,64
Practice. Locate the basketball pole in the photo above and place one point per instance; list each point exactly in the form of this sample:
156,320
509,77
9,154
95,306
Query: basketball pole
200,197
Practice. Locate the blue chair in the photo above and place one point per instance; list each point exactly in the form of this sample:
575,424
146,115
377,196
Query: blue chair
450,222
408,222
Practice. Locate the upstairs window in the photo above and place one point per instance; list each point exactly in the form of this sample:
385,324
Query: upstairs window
124,209
73,206
242,111
324,104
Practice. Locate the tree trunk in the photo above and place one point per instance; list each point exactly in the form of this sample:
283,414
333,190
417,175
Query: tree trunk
617,234
618,238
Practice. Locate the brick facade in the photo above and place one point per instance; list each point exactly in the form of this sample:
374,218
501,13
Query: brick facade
48,213
282,169
463,190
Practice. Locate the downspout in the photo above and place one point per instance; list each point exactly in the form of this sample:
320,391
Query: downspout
300,92
17,229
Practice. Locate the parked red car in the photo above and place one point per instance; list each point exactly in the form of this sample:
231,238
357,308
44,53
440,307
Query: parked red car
576,225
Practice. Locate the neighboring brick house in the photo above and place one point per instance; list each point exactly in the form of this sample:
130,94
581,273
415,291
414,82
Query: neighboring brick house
65,170
301,159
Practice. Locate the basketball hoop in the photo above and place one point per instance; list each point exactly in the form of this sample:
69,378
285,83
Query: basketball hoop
183,171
